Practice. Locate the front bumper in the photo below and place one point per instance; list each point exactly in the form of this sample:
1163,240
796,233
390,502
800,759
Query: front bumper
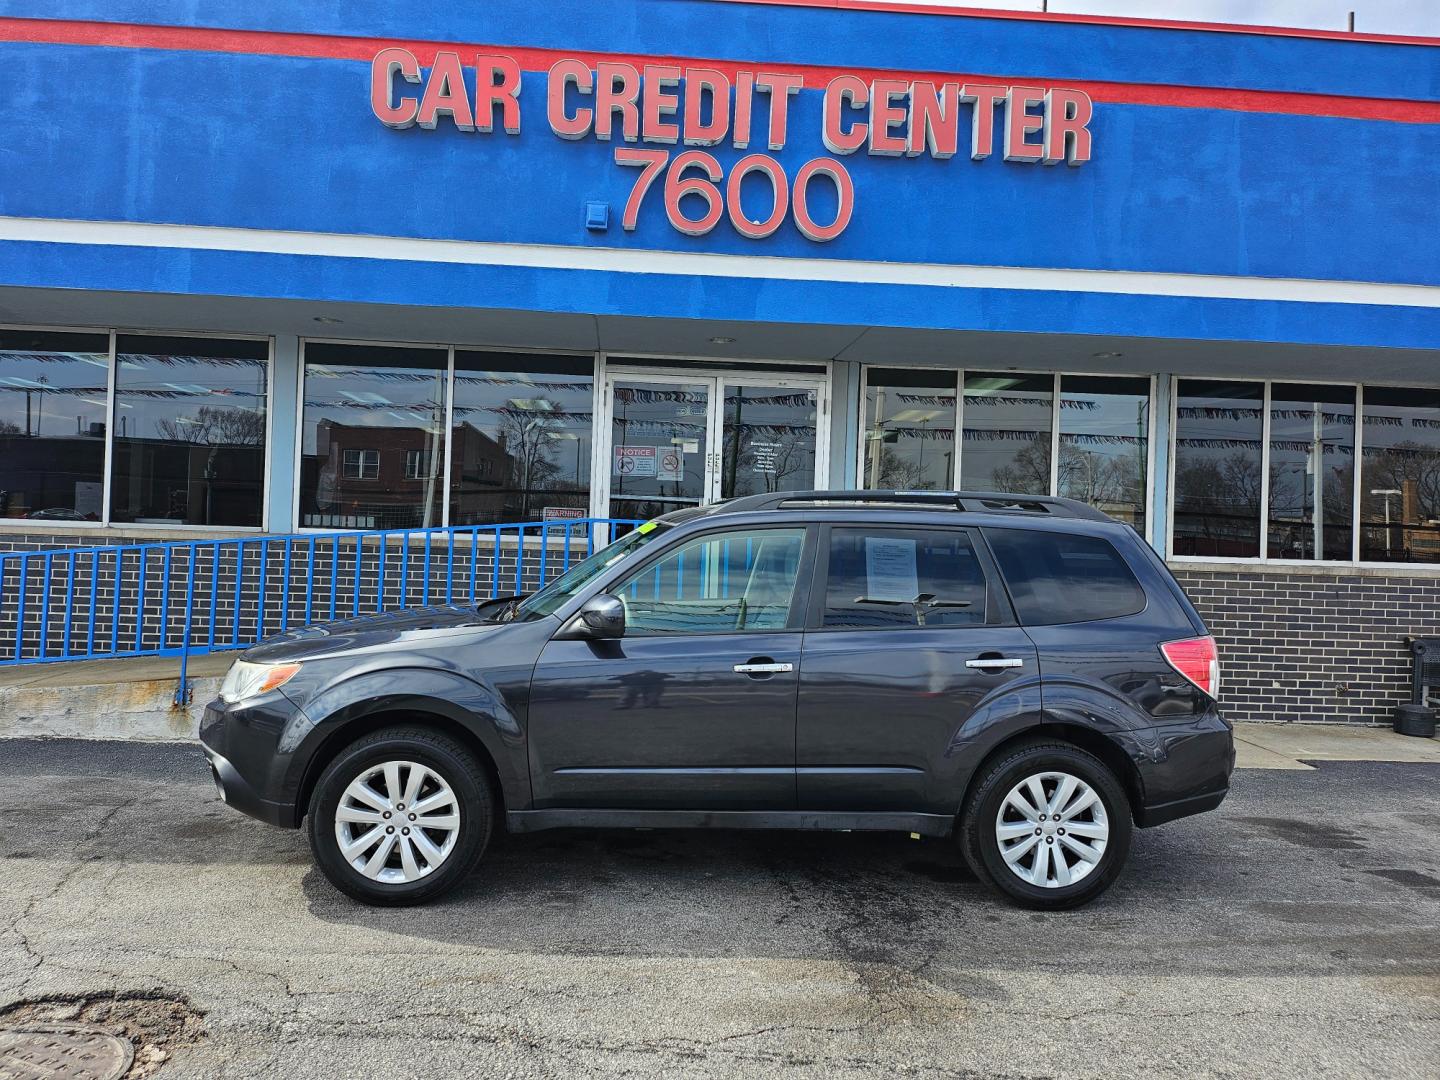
236,791
253,753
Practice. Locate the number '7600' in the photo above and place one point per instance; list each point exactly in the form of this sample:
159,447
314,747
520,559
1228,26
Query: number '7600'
704,183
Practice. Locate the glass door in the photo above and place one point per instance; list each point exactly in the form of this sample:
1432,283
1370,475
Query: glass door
660,440
687,440
770,437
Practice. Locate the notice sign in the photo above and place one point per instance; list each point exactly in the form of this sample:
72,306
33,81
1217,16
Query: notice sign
890,569
635,460
561,513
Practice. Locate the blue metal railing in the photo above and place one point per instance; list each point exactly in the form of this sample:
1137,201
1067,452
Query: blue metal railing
189,598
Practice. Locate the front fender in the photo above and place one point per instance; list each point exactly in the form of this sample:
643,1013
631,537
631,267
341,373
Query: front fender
478,709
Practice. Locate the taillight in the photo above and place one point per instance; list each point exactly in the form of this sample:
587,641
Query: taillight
1198,660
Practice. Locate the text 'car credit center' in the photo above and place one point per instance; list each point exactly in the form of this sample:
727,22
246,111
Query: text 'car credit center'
413,267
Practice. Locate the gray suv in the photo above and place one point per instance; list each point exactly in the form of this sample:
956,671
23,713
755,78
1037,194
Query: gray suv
1020,673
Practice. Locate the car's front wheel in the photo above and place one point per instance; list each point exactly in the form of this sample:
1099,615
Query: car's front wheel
1048,825
400,816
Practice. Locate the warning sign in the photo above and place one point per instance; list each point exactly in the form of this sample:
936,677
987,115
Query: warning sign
635,461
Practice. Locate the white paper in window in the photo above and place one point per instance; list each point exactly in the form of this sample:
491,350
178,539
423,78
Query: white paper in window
890,572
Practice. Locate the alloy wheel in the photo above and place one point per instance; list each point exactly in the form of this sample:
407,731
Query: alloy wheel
397,822
1052,830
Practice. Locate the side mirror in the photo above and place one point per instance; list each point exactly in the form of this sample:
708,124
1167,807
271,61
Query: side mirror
601,619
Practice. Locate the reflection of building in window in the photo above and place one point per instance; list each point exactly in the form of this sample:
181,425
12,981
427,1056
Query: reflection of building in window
417,464
365,464
480,469
359,486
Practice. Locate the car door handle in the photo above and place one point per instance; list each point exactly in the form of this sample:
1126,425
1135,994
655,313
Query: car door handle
998,663
763,669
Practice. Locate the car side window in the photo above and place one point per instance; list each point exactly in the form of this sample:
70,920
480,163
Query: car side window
1064,578
724,582
903,578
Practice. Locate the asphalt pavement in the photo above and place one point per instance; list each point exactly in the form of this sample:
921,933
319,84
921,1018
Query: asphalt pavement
1294,932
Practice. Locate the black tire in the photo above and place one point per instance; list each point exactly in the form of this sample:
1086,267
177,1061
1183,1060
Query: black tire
1415,720
998,777
448,759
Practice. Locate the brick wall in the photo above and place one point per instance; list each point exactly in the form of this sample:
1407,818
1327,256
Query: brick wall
1305,646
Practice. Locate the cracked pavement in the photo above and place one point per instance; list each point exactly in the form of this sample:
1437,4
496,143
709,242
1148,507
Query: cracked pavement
1295,932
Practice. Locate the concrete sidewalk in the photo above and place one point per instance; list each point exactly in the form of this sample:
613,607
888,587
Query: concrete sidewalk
1289,746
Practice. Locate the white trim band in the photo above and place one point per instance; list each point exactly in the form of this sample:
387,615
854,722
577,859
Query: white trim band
766,267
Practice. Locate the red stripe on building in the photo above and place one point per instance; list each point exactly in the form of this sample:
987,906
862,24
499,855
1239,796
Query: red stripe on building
269,43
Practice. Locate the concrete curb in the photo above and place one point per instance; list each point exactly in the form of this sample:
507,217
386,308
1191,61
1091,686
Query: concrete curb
141,710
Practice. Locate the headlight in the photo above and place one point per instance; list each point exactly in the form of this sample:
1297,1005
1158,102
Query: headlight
250,680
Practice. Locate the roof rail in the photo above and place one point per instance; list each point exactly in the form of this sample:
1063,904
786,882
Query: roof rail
976,502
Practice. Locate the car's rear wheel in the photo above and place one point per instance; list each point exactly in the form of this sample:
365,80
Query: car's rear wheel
400,816
1048,825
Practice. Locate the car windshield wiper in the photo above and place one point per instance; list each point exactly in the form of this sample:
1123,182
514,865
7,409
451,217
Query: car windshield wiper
504,606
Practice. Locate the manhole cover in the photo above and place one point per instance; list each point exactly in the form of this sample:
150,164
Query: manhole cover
62,1052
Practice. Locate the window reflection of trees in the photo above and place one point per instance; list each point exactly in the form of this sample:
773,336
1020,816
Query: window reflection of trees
1007,425
1218,484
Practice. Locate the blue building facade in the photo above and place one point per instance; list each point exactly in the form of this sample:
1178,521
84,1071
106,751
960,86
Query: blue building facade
300,267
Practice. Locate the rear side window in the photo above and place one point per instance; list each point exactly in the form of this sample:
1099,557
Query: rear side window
1062,578
892,578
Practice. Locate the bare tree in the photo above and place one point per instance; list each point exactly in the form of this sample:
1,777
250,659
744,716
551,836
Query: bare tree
529,443
211,426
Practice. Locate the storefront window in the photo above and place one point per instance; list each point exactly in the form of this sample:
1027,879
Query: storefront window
1312,478
1218,463
367,410
189,431
521,432
1104,444
1400,476
53,389
1006,440
909,430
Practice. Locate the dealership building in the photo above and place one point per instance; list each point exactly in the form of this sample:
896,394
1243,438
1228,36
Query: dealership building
301,267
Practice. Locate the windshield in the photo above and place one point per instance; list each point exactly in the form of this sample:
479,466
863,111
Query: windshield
553,596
